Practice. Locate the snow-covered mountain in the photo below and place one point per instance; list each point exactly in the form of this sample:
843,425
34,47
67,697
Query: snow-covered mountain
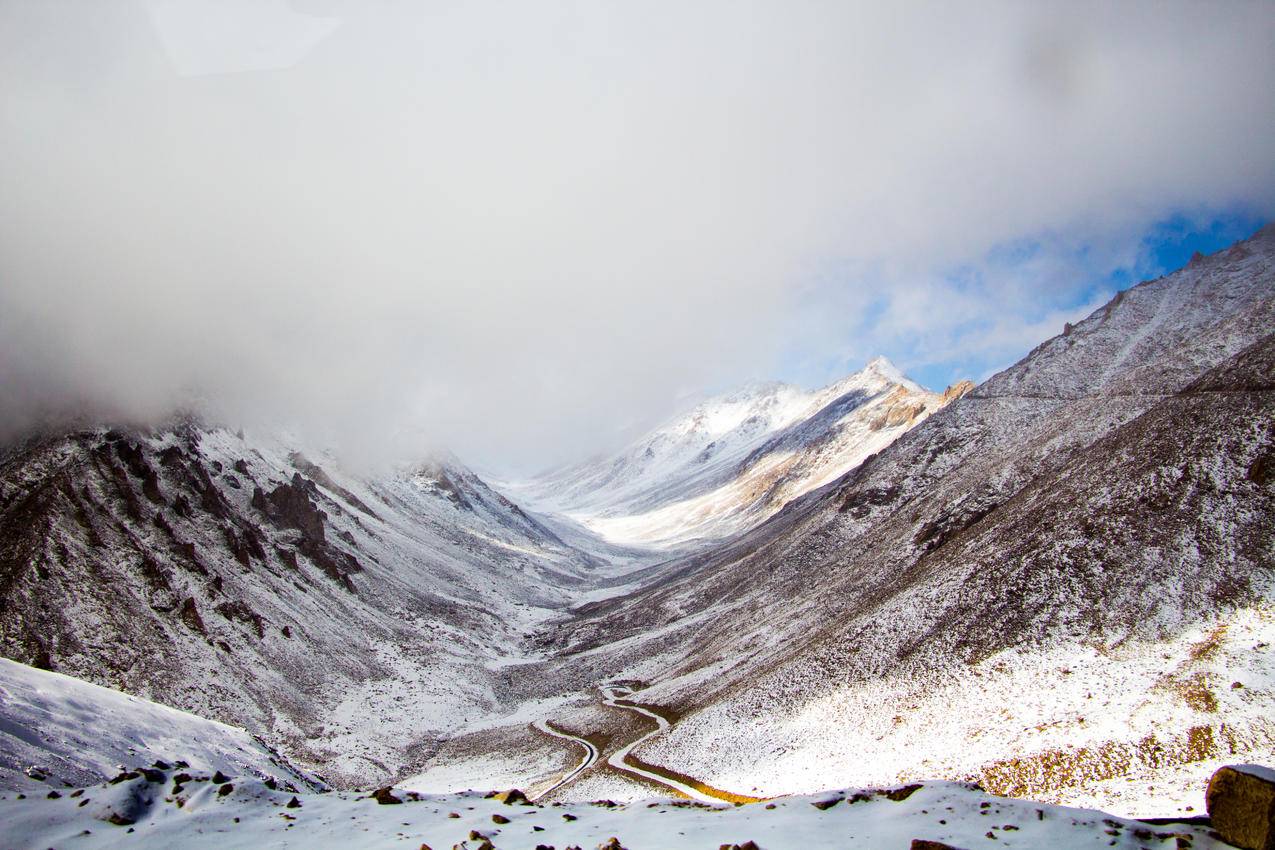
1062,585
65,732
736,459
352,621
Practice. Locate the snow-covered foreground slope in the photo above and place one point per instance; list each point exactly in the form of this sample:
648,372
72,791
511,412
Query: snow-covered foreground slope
736,459
57,731
250,815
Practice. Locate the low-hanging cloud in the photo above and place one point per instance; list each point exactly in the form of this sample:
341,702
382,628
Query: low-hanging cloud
511,229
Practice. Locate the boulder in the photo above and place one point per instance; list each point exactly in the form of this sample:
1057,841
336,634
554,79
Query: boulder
511,797
385,796
1241,804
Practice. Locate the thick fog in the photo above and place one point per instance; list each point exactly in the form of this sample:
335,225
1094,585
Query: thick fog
517,229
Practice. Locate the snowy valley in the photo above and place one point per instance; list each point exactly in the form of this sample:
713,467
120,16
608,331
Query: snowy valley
1053,589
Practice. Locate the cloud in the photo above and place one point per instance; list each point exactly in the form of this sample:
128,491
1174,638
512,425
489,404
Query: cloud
508,228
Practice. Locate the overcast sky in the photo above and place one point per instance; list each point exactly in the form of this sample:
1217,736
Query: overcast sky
519,229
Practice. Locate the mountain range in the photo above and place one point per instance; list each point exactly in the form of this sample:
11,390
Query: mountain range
1057,583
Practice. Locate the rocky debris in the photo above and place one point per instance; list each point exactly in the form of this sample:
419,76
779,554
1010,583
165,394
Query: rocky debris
926,844
498,818
511,797
189,614
384,796
1241,805
900,794
220,778
235,610
824,805
611,843
747,845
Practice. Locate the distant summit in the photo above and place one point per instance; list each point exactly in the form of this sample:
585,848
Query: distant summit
736,459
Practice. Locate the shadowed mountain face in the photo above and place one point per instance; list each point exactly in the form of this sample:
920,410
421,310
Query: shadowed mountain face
241,580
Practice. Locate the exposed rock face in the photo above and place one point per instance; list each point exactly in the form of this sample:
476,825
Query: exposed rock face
957,390
1241,803
292,505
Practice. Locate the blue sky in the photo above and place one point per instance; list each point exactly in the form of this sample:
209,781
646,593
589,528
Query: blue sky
1022,292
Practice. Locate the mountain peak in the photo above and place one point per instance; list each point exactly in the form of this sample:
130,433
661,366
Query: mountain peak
881,365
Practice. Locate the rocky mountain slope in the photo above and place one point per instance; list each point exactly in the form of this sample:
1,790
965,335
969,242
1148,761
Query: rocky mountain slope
736,459
1062,580
354,622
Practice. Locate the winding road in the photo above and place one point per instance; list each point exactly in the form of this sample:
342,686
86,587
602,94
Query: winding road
617,759
590,756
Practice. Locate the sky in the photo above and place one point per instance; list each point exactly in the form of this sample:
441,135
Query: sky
525,232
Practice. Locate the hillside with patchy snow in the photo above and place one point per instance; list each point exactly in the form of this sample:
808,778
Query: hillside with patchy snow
104,769
355,622
1061,584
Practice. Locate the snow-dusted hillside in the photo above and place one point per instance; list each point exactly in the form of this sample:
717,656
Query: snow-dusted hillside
354,622
63,732
1061,584
736,459
86,766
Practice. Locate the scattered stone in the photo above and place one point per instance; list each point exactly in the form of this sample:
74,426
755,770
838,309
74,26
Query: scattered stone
1241,805
453,814
385,796
824,805
924,844
220,778
611,843
53,795
153,775
160,764
900,794
225,789
499,818
294,803
124,777
511,797
568,817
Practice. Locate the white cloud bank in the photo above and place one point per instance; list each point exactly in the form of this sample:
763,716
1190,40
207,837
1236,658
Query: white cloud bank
508,228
